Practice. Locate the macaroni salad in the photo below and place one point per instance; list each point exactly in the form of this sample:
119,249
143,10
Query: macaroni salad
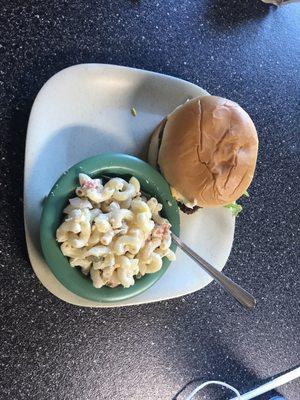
113,233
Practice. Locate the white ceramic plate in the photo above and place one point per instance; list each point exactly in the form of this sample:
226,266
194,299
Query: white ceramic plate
85,110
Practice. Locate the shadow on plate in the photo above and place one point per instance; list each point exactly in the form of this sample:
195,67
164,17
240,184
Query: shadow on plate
154,99
69,146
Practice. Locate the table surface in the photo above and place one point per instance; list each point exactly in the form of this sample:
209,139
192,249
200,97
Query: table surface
243,50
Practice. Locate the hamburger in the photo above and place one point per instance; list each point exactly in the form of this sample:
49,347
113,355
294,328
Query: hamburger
207,150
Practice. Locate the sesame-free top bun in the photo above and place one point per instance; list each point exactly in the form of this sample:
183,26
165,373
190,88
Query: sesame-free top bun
207,150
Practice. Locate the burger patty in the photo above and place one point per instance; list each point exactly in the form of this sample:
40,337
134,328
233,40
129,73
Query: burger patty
187,210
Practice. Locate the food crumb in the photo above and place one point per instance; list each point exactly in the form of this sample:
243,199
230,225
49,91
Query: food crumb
133,112
169,204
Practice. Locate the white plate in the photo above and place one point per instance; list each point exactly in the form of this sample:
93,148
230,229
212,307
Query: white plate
85,110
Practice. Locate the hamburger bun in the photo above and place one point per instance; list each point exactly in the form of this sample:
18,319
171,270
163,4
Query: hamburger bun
207,151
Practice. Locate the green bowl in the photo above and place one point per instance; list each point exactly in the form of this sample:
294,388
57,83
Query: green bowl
115,165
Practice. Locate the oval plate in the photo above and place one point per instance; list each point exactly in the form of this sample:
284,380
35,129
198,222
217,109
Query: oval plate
84,110
113,164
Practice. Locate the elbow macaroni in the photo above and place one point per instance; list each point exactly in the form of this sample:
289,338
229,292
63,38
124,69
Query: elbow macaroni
112,233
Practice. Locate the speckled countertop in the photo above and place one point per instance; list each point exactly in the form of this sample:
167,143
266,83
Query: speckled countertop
244,50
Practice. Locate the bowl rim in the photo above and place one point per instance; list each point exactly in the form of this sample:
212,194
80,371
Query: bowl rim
94,166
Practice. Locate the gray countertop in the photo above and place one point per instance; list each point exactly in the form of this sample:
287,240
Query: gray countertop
244,50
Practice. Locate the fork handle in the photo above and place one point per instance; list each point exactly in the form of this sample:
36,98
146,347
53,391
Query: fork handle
236,291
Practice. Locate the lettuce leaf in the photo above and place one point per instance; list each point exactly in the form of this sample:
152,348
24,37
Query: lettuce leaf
234,208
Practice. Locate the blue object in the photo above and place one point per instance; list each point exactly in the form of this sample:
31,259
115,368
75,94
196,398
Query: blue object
277,398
